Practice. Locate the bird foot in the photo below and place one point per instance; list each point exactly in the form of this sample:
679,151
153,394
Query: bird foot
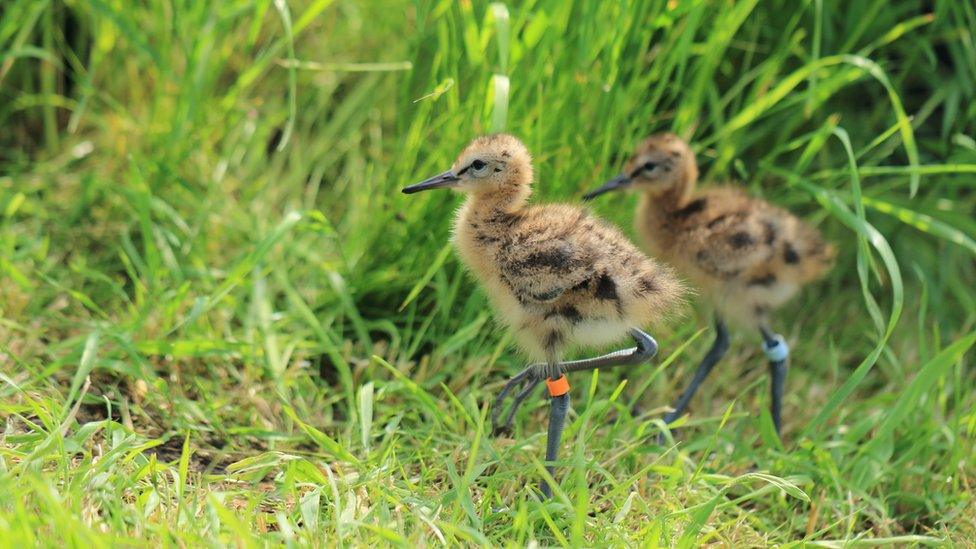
528,379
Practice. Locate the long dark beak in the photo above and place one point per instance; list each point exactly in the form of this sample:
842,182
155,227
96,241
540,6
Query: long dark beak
439,181
618,182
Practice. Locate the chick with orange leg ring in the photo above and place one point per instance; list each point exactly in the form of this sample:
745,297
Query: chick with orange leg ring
556,276
747,256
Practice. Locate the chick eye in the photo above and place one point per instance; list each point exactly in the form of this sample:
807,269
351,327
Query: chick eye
478,165
650,165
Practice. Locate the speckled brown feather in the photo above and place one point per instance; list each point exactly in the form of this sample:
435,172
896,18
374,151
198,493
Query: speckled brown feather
749,256
557,275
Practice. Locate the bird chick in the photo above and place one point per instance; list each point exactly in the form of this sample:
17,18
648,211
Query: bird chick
556,276
747,256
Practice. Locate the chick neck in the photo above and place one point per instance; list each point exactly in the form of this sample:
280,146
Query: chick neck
508,198
671,197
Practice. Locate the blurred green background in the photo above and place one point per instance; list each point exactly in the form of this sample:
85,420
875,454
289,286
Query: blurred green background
200,215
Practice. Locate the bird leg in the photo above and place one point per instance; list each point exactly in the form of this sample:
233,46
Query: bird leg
530,377
718,350
535,373
558,408
777,352
554,373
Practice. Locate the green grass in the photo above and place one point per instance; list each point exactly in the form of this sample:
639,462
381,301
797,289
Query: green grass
221,323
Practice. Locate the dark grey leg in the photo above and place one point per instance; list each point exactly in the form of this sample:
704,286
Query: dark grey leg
778,353
559,405
516,404
531,375
535,373
557,422
718,350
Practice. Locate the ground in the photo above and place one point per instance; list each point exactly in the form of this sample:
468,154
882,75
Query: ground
221,323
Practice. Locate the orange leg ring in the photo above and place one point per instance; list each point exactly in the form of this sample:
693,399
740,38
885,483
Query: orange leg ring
558,387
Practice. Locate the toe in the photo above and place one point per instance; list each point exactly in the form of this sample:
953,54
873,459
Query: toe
500,431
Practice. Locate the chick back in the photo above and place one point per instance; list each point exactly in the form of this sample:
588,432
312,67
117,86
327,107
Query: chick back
749,255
